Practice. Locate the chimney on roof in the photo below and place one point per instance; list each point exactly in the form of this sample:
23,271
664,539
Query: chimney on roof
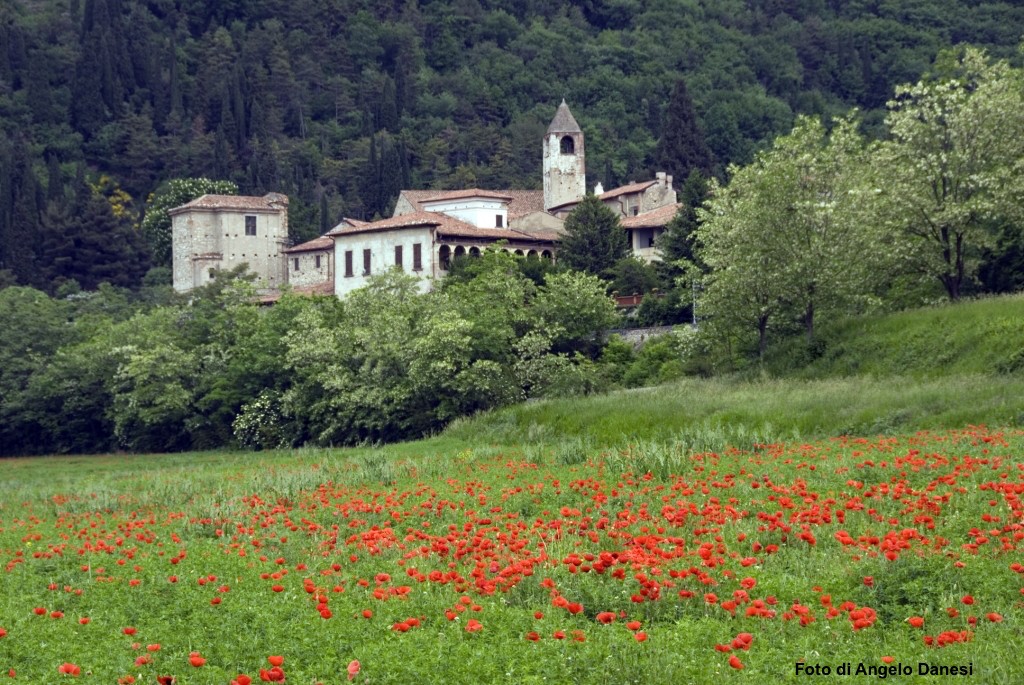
598,189
661,178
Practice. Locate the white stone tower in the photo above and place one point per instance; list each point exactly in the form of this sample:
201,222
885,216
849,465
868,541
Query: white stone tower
565,170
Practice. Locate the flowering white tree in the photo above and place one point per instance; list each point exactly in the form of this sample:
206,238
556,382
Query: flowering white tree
786,236
951,172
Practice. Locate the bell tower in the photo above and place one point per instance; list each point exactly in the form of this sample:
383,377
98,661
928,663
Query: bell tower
565,170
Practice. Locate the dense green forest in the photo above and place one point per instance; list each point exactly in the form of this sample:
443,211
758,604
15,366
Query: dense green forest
339,103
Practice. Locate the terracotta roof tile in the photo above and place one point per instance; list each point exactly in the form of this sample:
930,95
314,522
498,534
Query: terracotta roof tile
655,218
271,202
446,226
469,192
520,202
401,221
626,189
324,288
314,245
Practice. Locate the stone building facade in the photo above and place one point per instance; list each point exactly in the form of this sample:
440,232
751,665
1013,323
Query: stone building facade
428,229
311,263
222,231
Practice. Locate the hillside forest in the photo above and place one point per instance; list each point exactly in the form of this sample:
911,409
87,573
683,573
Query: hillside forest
834,160
340,103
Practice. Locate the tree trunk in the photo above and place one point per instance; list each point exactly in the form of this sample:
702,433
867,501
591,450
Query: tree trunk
809,322
762,335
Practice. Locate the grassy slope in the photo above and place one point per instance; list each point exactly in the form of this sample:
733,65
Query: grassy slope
936,367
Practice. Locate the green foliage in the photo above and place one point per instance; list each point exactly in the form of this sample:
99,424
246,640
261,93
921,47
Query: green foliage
786,239
950,175
594,240
156,222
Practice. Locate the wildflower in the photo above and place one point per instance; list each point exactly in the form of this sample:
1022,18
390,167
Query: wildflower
916,621
353,669
640,636
69,669
474,626
735,662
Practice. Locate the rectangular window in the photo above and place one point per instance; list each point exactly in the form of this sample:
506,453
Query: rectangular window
417,257
398,256
366,262
498,222
296,264
318,261
250,225
348,263
636,210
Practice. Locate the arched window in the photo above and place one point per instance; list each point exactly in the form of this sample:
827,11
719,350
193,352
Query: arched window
568,145
474,252
546,254
460,251
444,256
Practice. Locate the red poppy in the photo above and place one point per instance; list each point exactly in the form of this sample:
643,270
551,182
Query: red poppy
633,625
532,636
967,599
888,659
276,660
606,617
165,680
242,679
69,669
735,662
474,626
640,636
916,621
558,635
353,669
994,617
196,660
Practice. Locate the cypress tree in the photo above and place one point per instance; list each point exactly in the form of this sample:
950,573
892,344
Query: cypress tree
682,147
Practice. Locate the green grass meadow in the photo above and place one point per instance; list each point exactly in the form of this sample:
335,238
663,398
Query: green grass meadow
710,530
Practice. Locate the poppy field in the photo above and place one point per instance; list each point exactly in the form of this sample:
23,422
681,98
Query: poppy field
641,563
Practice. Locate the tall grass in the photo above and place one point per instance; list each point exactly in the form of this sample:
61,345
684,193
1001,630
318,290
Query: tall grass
983,336
719,410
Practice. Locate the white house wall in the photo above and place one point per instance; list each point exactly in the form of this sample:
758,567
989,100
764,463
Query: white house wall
478,212
382,256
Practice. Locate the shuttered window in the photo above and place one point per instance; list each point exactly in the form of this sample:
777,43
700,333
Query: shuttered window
417,257
366,262
348,262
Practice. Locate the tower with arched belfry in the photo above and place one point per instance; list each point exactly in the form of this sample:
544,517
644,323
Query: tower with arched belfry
565,169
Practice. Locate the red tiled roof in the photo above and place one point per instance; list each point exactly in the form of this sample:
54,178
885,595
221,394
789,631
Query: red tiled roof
520,202
314,245
412,220
271,202
323,288
469,192
445,226
626,189
655,218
